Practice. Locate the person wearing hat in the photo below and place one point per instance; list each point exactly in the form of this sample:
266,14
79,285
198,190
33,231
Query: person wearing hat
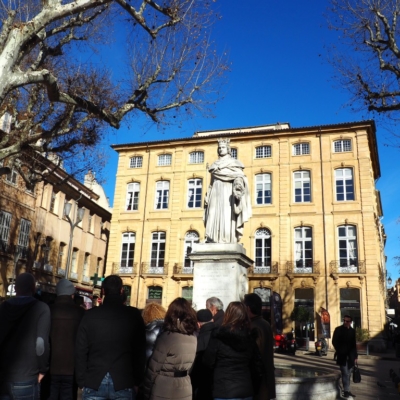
65,319
202,376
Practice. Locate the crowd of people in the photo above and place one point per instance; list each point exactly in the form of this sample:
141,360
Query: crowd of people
117,352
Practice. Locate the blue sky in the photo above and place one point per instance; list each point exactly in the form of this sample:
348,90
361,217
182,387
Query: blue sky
279,72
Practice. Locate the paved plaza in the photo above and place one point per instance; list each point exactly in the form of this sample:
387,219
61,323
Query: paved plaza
374,372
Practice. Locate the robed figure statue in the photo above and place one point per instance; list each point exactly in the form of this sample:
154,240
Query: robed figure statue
227,203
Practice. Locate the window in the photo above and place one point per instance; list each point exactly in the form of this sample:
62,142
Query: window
12,176
132,196
340,146
196,157
60,255
187,293
234,153
303,249
46,247
344,184
52,201
74,264
263,152
90,220
191,238
302,187
301,149
24,230
136,162
194,193
263,189
5,222
347,235
86,264
157,249
162,194
128,250
263,249
164,159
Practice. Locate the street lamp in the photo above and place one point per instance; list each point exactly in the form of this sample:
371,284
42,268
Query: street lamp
79,218
389,281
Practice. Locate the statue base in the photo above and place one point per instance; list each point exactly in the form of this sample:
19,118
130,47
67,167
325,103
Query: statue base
220,270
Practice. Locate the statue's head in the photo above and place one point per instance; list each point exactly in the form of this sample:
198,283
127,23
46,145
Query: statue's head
224,144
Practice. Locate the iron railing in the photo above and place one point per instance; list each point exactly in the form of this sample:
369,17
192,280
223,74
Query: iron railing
154,268
123,268
183,269
345,267
48,268
271,268
85,279
303,267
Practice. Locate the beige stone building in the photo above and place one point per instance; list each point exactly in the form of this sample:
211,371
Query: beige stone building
35,234
315,236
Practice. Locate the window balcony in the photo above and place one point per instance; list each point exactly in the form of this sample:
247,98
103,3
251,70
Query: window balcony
303,267
85,279
73,275
352,266
124,268
4,247
183,271
151,268
36,265
264,269
61,272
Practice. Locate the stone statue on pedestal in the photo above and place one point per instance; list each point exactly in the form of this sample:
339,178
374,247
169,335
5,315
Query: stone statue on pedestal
227,203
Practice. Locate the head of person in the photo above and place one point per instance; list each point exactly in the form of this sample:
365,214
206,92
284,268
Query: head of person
180,317
236,317
65,288
25,284
112,285
214,304
253,303
153,312
224,147
347,320
203,317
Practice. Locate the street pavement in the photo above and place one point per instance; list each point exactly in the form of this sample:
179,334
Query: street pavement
375,380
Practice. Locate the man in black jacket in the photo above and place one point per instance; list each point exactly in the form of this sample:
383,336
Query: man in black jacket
202,376
110,347
215,305
24,342
344,342
65,319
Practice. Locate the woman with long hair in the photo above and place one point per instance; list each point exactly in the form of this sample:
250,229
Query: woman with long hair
231,352
167,374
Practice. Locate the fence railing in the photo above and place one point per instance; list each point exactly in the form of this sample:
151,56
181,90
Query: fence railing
303,267
269,268
123,268
154,268
347,267
185,268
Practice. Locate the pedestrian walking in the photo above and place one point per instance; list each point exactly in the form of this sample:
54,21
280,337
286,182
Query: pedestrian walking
110,347
24,342
167,375
65,319
344,342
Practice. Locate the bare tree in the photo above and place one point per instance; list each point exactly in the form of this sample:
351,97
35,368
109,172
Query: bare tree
370,65
61,103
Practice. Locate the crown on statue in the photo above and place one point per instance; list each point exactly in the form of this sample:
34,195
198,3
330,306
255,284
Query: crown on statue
226,141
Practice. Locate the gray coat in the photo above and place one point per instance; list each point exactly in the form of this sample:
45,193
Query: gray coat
173,354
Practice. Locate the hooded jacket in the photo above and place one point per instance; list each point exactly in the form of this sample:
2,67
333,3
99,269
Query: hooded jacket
230,353
24,339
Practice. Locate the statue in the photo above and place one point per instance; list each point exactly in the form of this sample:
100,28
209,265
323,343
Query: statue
227,203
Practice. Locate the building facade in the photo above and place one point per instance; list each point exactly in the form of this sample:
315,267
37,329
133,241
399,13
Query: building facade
315,235
36,237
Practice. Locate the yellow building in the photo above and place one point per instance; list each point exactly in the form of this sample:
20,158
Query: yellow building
315,236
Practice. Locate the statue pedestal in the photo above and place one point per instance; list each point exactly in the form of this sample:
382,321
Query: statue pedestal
220,270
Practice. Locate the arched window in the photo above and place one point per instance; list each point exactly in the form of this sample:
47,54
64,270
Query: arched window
191,238
194,193
263,152
162,195
263,250
300,149
196,157
127,252
303,249
263,189
344,184
350,305
302,186
132,196
348,259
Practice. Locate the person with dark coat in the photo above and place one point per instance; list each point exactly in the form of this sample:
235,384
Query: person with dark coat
167,374
344,342
153,317
110,347
262,332
215,305
65,319
202,376
24,342
231,353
